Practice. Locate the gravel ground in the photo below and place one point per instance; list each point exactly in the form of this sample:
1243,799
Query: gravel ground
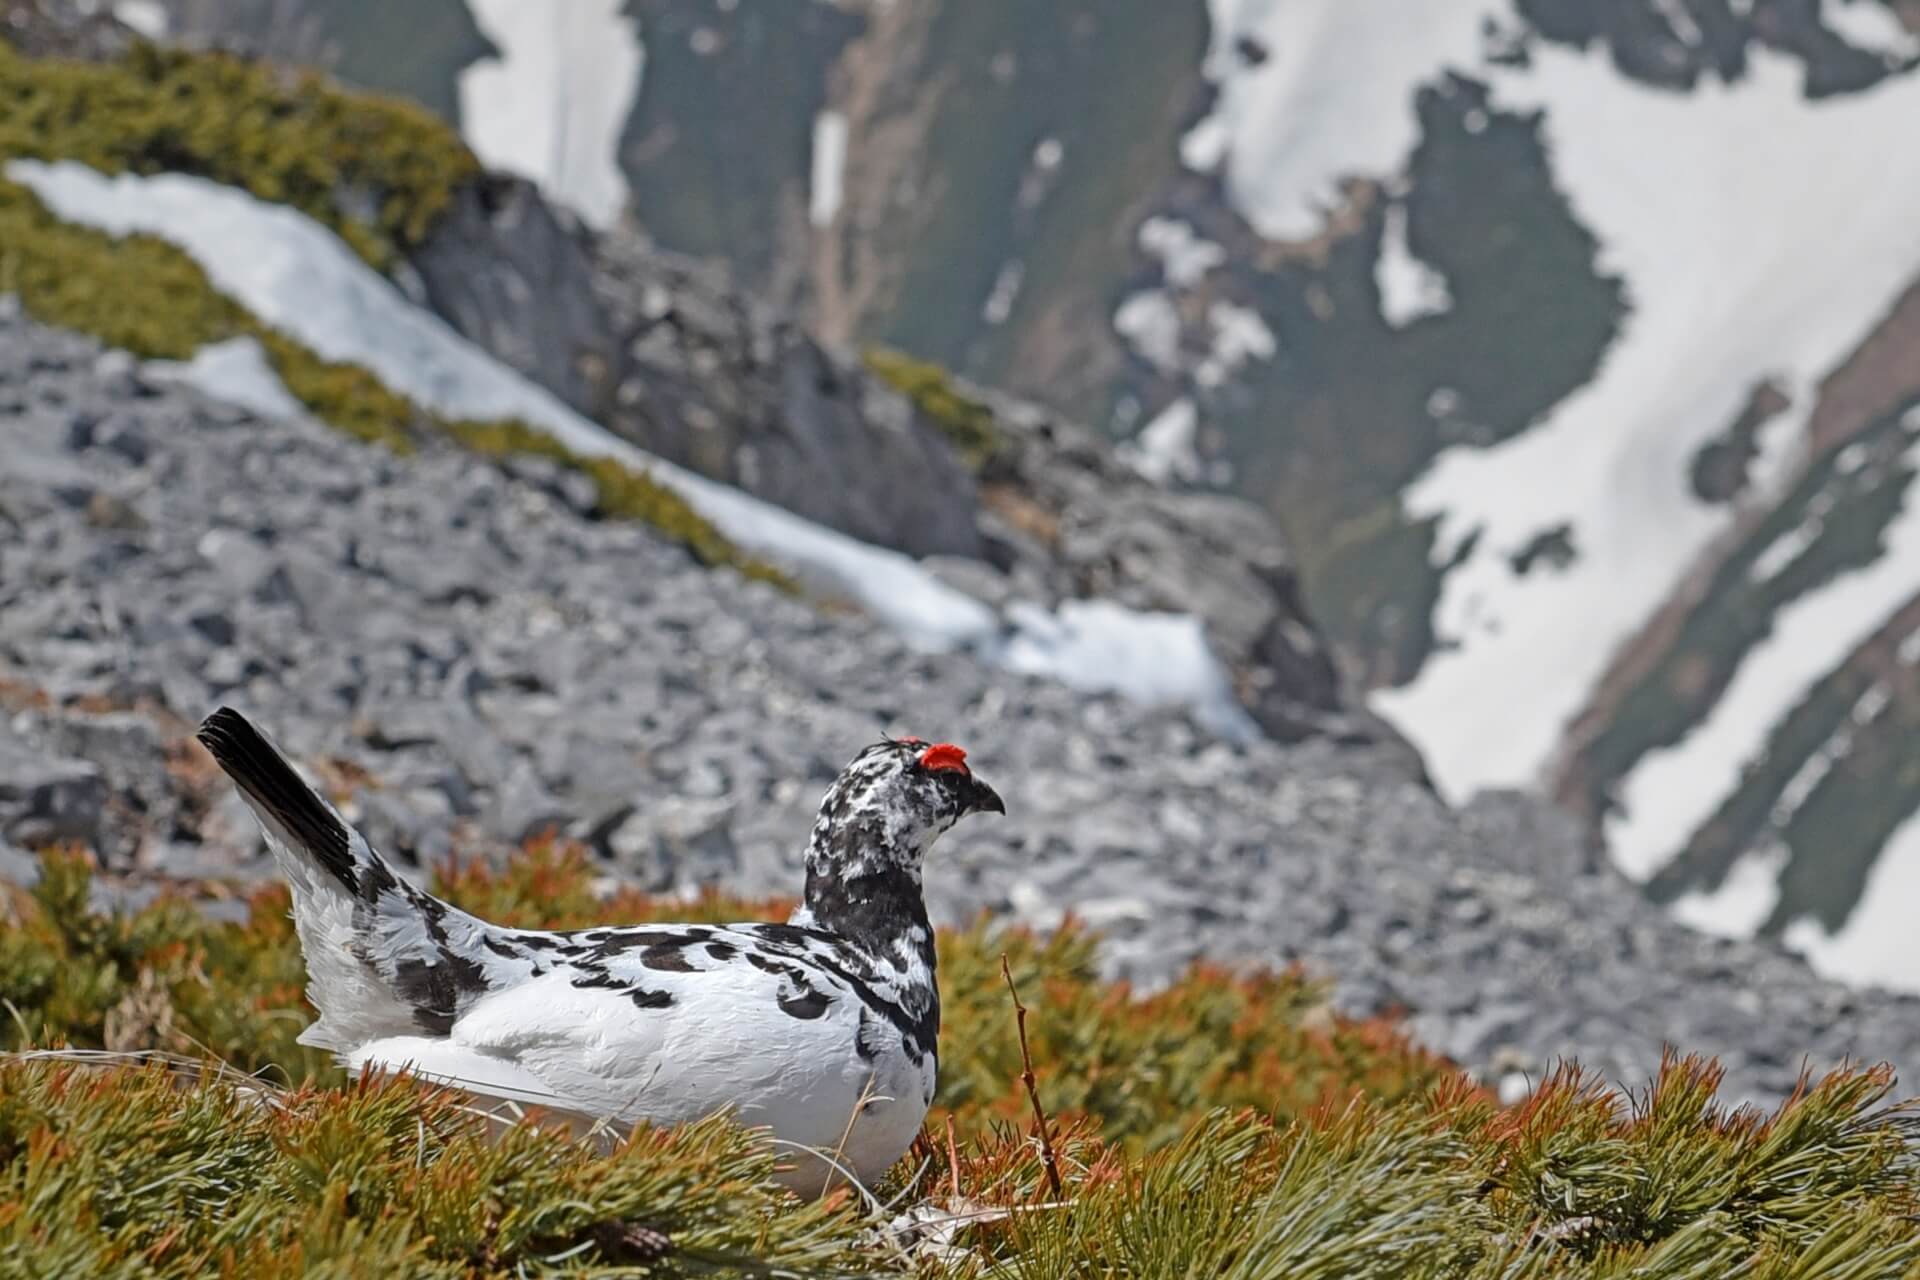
495,662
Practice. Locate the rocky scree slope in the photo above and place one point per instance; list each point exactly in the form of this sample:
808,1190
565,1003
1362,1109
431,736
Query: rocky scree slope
466,656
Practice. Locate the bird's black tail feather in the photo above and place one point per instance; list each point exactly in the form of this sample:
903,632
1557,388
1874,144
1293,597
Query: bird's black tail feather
271,783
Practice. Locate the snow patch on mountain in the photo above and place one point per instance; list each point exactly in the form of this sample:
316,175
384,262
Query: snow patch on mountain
296,275
1872,26
1150,323
1743,901
1876,943
235,371
1238,334
1185,256
552,106
148,17
1314,91
1669,183
1410,289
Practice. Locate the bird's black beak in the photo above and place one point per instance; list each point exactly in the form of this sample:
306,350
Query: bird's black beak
984,799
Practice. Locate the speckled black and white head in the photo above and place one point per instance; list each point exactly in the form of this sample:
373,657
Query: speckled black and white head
875,826
890,805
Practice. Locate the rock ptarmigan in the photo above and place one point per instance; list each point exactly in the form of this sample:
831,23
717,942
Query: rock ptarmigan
823,1030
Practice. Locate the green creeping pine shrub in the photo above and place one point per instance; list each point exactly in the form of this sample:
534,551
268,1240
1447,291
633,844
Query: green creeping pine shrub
967,424
136,1173
1229,1127
377,171
164,978
151,298
1444,1187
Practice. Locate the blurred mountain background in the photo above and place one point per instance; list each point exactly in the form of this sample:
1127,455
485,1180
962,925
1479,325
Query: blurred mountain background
1574,345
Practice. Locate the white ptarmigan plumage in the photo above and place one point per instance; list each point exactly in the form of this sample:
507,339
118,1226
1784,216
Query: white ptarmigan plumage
823,1030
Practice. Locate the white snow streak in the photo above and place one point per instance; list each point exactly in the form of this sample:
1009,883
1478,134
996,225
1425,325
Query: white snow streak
1166,450
1158,659
829,168
1672,791
1781,553
1410,289
1680,22
1005,292
1670,184
297,276
551,107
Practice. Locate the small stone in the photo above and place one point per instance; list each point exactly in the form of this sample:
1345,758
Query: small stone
677,844
18,867
47,800
523,808
109,511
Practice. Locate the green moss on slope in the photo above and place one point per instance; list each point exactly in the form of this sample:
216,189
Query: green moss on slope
967,424
377,171
621,492
137,293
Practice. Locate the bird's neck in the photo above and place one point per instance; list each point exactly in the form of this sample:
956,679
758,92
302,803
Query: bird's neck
867,895
881,912
863,887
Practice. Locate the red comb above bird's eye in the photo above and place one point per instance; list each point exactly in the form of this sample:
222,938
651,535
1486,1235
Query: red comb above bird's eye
942,757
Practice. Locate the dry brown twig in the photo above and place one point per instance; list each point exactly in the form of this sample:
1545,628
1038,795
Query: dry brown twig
1026,1078
953,1157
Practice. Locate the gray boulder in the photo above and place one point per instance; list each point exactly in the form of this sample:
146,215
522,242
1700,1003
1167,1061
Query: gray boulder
47,799
513,274
716,381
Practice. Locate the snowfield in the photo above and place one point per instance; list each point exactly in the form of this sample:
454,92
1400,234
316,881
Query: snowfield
1310,94
298,276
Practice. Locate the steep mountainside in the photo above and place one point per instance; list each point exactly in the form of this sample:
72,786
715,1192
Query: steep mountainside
1574,346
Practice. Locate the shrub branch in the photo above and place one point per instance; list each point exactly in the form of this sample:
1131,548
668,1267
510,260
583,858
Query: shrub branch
1026,1078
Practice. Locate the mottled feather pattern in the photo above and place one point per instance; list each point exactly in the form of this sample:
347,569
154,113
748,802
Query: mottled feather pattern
825,1029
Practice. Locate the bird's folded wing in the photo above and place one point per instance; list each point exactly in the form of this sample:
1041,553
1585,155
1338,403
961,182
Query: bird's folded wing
441,1061
672,1046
